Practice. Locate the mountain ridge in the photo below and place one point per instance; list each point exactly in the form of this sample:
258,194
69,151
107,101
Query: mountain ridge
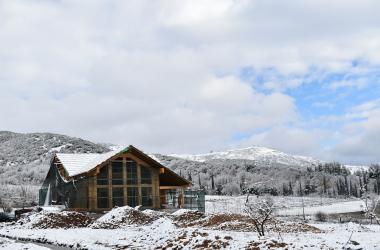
256,153
24,157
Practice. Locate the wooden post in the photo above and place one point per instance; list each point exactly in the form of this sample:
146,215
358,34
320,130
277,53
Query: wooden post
139,183
92,193
125,190
110,186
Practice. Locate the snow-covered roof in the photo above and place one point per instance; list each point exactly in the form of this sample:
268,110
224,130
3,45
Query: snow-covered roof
80,163
76,164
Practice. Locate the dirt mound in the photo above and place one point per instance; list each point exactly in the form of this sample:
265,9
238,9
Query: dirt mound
49,219
196,240
231,222
266,244
155,214
187,218
235,222
121,217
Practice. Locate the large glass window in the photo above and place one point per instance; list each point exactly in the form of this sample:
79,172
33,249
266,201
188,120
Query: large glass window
117,173
131,172
146,175
102,178
133,196
102,197
117,197
146,196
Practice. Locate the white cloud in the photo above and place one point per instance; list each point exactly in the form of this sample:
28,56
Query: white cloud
165,75
291,140
360,141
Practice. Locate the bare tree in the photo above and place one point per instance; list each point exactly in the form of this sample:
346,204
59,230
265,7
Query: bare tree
5,206
260,211
371,202
371,207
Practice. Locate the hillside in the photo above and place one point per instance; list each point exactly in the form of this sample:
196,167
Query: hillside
24,158
261,155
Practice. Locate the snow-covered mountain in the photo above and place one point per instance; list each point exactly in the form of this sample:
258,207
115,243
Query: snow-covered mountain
354,168
24,158
261,155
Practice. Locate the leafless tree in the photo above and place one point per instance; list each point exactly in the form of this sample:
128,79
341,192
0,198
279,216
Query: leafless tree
371,207
260,211
5,206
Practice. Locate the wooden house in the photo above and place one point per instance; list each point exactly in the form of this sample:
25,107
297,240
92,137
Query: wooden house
99,182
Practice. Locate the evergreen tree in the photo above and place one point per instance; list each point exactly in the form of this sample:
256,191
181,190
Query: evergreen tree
189,176
212,182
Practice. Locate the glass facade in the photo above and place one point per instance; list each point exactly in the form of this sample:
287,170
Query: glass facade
146,196
146,175
117,173
125,182
102,178
133,196
102,197
117,197
131,172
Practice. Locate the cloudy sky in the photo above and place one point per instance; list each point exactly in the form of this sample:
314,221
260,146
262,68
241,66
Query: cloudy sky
193,76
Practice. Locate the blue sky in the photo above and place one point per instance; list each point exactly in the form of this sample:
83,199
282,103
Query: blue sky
196,75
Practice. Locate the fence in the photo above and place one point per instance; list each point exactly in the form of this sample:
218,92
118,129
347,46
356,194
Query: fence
192,199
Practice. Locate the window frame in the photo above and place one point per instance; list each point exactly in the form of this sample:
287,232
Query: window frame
143,179
100,198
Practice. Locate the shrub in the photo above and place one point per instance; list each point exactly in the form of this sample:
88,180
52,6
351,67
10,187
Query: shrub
5,217
321,216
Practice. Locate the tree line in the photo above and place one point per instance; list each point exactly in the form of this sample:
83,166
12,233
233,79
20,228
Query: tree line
327,179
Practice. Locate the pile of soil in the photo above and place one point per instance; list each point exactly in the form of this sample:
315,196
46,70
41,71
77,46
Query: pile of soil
295,227
230,222
49,219
155,214
196,240
236,222
266,244
187,218
121,217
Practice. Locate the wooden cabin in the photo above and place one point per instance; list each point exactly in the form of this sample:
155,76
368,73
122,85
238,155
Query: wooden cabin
99,182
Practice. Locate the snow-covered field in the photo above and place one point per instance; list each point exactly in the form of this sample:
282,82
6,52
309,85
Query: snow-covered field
285,205
165,232
13,245
334,236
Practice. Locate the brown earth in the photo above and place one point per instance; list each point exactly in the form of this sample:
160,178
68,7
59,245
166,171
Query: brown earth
63,219
237,222
129,217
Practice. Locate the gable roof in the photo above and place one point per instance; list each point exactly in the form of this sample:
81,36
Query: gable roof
78,164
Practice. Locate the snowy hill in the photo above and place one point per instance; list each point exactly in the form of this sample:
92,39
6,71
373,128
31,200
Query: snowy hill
261,155
354,168
24,158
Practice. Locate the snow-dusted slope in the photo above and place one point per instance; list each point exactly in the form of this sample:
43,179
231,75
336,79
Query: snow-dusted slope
259,154
354,168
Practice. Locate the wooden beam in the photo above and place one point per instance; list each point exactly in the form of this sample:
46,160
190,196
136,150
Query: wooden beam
172,187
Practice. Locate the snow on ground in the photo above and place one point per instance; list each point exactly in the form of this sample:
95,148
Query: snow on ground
12,244
285,205
169,231
341,207
163,233
159,233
